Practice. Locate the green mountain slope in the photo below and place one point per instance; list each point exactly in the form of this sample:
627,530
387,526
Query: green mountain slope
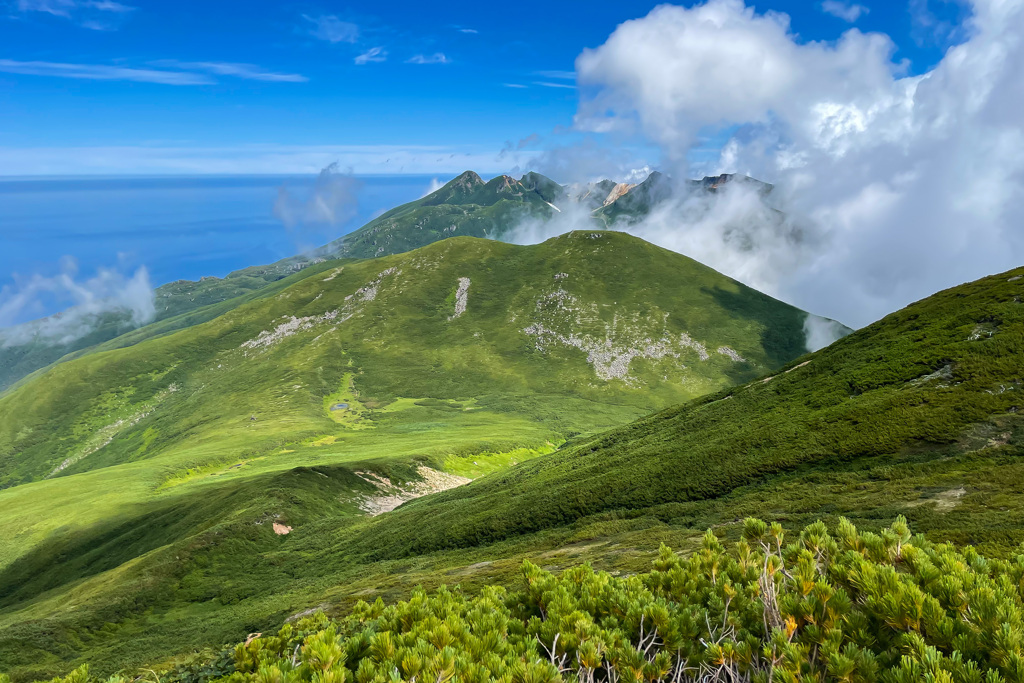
918,414
136,476
915,413
454,321
466,206
25,349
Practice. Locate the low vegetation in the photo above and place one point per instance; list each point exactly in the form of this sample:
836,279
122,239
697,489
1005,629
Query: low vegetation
832,605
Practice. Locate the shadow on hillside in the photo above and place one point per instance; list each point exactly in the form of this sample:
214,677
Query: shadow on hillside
782,333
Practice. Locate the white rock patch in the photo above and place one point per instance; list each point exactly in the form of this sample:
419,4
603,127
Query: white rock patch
461,298
731,354
609,361
691,343
391,496
290,326
293,325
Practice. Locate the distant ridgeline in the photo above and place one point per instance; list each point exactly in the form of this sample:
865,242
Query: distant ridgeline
466,206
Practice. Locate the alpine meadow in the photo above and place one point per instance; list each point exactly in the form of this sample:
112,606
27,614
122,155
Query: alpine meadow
712,370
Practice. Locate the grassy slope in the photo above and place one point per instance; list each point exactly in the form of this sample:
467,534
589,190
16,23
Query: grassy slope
466,206
150,532
404,341
177,304
866,429
939,380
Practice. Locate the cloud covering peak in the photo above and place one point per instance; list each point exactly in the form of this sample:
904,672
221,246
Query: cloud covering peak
901,184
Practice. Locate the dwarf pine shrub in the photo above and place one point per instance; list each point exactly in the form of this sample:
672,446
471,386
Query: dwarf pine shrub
839,605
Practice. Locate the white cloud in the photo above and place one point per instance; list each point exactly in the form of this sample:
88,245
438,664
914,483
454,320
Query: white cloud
334,200
468,30
898,185
374,54
248,72
171,72
332,29
101,15
435,185
514,85
557,75
436,58
103,72
87,300
847,11
549,84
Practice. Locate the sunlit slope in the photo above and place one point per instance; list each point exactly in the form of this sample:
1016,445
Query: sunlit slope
601,317
915,414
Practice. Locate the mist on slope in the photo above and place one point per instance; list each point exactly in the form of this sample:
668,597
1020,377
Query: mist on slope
890,186
88,301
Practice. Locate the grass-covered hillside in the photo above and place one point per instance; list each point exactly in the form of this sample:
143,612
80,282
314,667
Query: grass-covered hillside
28,348
918,414
599,317
150,484
466,206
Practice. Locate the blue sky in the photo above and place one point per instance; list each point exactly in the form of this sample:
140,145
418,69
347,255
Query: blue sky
98,86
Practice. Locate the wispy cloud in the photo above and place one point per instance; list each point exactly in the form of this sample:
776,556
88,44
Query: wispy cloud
514,85
436,58
332,29
846,11
248,72
103,72
468,30
172,72
166,159
374,54
557,75
100,15
550,84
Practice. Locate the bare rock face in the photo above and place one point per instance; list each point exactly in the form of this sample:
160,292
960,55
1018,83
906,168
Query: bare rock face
390,496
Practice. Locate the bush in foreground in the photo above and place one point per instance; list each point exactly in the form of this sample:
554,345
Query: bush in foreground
842,606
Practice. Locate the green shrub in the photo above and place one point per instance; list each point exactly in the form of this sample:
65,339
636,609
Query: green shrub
828,606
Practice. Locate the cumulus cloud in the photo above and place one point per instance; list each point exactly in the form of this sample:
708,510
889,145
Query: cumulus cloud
847,11
374,54
333,200
897,185
87,300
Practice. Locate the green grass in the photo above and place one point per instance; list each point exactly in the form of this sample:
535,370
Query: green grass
155,536
871,428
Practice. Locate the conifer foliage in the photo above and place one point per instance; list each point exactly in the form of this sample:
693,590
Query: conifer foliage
829,606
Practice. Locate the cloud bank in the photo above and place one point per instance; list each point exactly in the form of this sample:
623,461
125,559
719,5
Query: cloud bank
87,300
894,185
